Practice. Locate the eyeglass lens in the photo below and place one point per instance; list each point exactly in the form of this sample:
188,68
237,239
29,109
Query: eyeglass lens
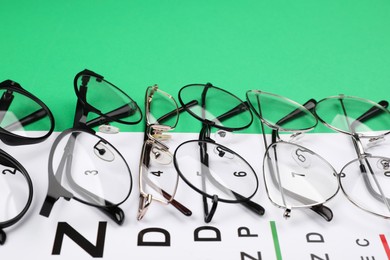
366,182
344,114
297,177
23,116
91,168
272,109
14,191
107,99
214,103
226,174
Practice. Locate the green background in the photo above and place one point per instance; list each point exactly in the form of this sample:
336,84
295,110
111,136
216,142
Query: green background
299,49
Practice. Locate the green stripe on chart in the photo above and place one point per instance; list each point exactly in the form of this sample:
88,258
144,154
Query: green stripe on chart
276,241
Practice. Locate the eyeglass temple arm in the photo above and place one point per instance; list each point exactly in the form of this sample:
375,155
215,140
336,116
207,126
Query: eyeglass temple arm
29,119
174,112
253,206
183,209
320,209
309,105
118,113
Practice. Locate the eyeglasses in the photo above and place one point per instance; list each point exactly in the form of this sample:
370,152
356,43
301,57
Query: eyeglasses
158,179
364,180
295,176
211,169
24,119
84,166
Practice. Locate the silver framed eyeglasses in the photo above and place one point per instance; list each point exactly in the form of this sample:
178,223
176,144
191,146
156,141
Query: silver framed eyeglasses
365,180
295,176
158,179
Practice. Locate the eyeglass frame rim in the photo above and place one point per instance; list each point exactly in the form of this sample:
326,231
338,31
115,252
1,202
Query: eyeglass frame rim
209,122
23,171
245,199
302,206
275,126
363,156
97,111
13,139
150,140
341,97
51,171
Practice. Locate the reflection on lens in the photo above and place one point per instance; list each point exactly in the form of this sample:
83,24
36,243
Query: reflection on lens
216,106
366,183
354,115
23,116
109,100
289,115
158,177
91,168
212,169
14,191
297,177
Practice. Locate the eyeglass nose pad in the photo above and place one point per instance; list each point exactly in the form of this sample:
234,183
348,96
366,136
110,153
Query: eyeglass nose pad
375,141
301,157
223,153
160,155
384,164
296,136
222,135
102,151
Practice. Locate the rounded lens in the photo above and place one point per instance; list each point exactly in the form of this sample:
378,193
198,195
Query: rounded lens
216,107
107,99
15,190
91,168
366,183
279,112
354,115
213,169
157,174
23,115
297,177
161,108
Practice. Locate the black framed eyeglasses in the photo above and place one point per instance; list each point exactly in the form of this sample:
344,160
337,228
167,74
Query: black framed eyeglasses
83,165
158,179
24,119
211,169
294,176
365,180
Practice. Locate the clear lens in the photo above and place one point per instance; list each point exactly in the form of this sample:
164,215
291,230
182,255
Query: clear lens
213,169
158,105
297,177
107,99
354,115
23,116
216,105
366,183
279,112
92,169
157,175
14,191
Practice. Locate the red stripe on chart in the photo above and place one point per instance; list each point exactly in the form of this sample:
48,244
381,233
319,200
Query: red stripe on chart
385,245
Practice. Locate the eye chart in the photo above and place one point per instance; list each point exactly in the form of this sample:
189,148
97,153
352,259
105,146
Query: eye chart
75,230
